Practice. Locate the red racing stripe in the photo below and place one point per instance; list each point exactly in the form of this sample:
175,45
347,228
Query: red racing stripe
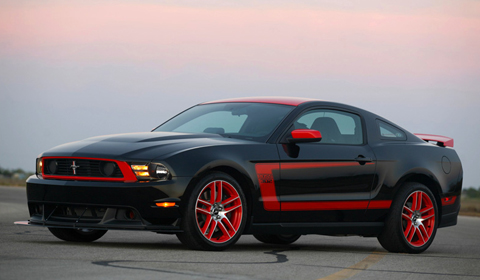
271,201
379,204
295,165
335,205
324,205
267,185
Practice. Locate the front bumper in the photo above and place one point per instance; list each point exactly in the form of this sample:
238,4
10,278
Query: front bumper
106,205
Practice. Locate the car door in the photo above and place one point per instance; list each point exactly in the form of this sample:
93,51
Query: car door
330,180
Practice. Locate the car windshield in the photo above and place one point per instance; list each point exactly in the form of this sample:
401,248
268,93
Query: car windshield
251,121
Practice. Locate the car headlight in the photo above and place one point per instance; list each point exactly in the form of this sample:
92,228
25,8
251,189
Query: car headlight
151,171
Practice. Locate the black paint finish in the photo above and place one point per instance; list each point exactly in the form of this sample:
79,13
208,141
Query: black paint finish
372,171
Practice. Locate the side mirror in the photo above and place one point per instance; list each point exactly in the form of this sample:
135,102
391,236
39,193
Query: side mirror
305,135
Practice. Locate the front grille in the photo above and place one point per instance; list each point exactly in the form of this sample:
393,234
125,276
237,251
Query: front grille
81,168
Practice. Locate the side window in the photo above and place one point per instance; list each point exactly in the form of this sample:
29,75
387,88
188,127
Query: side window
336,127
389,132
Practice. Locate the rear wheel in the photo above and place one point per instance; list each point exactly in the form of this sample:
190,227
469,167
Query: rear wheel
412,223
277,238
215,215
77,235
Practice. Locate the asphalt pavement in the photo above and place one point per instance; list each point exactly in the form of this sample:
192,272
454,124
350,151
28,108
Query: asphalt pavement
33,253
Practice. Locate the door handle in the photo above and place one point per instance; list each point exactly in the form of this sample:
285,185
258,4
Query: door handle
362,160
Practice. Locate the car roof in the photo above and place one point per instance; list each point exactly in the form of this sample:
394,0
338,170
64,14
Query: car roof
292,101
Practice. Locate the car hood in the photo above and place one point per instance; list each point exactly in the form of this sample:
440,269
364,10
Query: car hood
139,146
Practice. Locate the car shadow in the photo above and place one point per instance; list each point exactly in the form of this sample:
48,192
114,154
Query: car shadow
239,247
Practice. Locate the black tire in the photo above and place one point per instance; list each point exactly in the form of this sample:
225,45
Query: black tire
215,222
412,223
77,235
277,238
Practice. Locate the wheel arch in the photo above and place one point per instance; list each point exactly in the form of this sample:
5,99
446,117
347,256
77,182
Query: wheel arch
429,181
242,178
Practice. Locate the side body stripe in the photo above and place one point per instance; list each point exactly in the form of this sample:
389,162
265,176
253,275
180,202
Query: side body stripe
267,185
272,203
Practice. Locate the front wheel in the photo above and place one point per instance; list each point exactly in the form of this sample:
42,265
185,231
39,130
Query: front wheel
77,235
412,223
215,214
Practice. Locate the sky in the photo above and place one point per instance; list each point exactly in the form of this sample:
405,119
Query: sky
70,70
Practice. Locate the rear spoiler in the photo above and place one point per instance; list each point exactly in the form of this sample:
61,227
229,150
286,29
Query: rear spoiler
441,141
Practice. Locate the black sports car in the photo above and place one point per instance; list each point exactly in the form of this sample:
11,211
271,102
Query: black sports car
273,167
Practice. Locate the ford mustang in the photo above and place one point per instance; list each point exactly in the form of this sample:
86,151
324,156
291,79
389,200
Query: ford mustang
274,167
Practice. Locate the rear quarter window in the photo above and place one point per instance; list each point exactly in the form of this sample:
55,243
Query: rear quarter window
390,132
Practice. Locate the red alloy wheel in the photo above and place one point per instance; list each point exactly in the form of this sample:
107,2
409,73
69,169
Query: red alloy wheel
418,218
218,211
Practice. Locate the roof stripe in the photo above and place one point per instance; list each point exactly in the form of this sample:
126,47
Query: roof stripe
292,101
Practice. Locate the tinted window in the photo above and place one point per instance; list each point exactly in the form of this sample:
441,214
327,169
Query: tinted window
222,121
336,127
389,132
253,121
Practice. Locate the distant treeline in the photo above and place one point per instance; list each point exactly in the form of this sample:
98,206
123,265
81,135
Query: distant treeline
14,173
471,193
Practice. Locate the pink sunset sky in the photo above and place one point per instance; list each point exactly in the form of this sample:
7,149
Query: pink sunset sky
65,65
425,42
